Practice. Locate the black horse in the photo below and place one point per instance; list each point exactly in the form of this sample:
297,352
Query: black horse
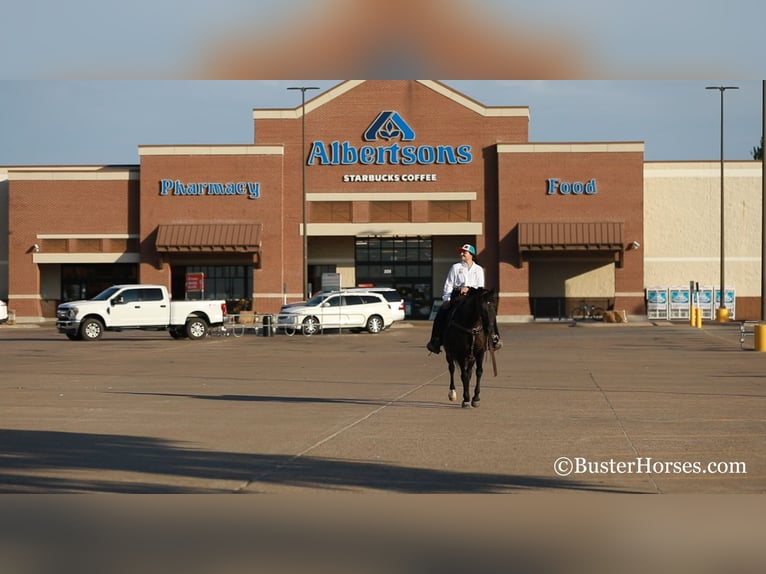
466,339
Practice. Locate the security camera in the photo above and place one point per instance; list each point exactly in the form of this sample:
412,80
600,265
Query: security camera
35,248
635,245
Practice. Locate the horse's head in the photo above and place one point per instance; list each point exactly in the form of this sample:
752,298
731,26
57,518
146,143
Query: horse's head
482,296
479,304
488,302
487,295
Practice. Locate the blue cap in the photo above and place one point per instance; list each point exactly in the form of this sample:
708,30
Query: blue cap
468,247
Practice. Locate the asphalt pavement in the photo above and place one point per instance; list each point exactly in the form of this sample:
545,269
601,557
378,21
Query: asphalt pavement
642,407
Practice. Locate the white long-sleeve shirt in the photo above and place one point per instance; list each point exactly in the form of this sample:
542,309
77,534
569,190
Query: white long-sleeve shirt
460,275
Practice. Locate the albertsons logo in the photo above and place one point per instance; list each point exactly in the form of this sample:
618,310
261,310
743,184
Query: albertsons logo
388,125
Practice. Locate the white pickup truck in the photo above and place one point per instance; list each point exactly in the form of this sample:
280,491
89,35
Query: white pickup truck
146,307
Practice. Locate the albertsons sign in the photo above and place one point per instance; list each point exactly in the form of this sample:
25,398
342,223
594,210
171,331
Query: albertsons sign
388,126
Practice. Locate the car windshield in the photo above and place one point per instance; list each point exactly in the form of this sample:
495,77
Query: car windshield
106,294
316,300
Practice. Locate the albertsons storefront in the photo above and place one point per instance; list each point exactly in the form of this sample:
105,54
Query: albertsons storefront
398,174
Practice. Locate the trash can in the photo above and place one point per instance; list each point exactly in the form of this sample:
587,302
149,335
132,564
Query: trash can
268,328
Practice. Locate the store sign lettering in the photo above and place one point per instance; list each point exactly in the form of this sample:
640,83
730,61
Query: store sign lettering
387,126
387,177
250,189
556,186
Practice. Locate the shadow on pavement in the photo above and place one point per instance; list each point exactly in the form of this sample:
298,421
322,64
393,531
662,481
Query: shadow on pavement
297,400
48,462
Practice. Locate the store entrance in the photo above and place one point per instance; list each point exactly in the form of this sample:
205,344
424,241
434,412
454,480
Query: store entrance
404,263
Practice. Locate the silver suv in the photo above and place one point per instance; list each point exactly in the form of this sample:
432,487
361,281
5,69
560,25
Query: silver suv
354,310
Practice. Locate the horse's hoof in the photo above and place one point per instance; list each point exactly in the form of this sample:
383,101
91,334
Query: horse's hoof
475,403
465,404
453,395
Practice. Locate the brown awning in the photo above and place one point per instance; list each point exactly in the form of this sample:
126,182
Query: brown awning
209,238
571,236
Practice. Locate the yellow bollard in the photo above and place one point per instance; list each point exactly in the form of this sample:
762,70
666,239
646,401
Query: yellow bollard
760,337
693,317
722,315
699,318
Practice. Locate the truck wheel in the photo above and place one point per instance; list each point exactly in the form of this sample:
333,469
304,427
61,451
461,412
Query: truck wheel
91,329
196,328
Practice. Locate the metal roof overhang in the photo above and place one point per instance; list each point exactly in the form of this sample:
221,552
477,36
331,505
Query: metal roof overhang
210,238
583,237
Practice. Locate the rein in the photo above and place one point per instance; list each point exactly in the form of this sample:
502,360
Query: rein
473,331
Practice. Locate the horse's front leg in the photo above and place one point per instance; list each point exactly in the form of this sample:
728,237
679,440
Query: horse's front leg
466,370
451,365
479,373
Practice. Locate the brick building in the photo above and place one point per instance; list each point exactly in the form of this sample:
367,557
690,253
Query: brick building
398,174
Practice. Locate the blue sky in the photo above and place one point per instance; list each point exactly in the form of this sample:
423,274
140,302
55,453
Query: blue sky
87,81
51,122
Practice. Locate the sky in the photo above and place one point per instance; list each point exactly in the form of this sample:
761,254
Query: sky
187,38
97,122
88,81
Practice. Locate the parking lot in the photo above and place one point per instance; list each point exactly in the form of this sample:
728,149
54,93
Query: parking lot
635,408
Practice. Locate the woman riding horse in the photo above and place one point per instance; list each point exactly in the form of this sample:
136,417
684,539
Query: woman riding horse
463,275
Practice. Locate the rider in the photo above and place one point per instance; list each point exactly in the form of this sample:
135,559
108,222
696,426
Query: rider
463,275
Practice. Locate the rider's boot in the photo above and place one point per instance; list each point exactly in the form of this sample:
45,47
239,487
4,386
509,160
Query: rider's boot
434,345
437,329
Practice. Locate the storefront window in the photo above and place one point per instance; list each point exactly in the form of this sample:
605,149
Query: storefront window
402,263
234,283
83,281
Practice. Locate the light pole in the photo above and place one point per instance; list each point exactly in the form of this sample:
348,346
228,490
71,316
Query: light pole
722,313
303,90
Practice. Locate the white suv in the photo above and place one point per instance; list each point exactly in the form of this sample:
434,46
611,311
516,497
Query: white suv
355,310
394,298
3,312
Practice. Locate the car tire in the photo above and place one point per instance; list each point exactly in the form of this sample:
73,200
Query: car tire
196,328
91,329
310,326
375,324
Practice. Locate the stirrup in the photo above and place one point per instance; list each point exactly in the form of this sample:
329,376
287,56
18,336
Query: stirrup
434,346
